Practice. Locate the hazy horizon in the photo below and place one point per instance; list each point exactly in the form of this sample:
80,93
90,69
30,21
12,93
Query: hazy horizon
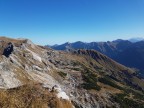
135,38
59,21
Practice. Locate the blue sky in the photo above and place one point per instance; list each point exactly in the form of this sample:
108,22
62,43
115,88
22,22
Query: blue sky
59,21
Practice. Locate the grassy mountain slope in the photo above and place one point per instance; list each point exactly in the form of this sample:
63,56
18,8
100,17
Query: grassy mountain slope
89,78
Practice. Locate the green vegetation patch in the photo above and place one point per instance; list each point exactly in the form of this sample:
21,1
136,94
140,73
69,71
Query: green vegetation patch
76,69
90,81
62,74
127,103
75,63
137,94
106,80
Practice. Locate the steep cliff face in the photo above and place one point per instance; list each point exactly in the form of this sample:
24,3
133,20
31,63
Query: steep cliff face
84,78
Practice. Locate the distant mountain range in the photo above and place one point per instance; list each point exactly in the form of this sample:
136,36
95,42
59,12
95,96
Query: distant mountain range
127,52
136,39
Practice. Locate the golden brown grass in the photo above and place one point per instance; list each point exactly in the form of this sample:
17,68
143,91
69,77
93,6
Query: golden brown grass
31,96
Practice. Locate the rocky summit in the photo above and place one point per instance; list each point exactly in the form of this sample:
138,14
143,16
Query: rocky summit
32,76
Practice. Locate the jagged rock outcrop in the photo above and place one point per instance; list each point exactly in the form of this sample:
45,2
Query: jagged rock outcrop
8,50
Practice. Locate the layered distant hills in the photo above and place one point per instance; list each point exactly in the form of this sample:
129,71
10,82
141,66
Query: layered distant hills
127,52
